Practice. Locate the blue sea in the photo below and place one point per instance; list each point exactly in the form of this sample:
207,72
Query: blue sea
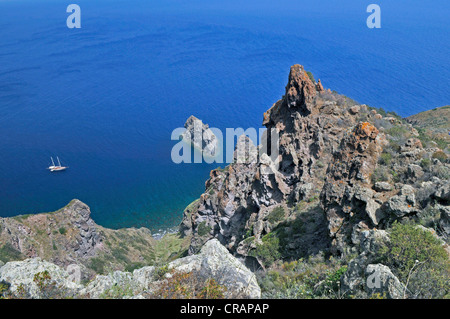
105,98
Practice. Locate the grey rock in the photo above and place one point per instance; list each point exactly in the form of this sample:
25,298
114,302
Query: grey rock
353,278
443,193
372,240
403,203
200,136
21,273
383,187
444,220
380,279
354,109
214,261
374,212
414,172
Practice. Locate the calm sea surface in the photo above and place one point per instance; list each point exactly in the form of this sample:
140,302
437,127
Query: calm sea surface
105,98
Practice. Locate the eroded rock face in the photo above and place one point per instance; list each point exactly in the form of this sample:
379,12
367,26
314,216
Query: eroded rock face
347,197
24,235
70,236
88,240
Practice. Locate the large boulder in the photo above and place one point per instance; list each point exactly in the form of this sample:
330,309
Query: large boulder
21,276
380,280
443,193
214,261
403,203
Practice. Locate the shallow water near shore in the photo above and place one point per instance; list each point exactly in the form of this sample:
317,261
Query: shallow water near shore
105,98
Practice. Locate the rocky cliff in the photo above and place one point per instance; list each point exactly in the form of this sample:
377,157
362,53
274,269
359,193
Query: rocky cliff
344,168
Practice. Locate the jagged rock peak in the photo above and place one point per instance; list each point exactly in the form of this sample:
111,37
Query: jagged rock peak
300,89
319,86
299,95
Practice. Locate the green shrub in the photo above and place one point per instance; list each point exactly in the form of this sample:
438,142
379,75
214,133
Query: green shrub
276,215
203,229
97,265
394,114
313,278
397,131
380,174
440,155
311,77
425,163
117,292
442,172
408,245
132,266
9,253
4,288
268,251
191,285
385,158
160,272
48,288
62,231
334,279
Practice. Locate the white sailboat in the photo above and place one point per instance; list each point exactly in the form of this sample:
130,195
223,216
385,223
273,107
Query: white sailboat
53,164
56,168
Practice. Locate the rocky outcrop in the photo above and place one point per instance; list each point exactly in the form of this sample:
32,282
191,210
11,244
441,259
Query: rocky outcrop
327,145
21,276
381,280
403,203
237,200
347,197
200,136
362,275
70,236
88,240
29,234
319,86
213,262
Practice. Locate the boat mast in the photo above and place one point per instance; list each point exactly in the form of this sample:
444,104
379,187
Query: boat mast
59,164
53,163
